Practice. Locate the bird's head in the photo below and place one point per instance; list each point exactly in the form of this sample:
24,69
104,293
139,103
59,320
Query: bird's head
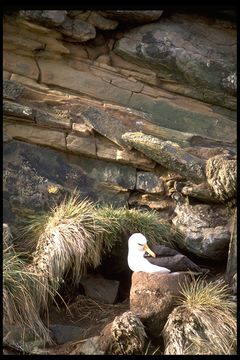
138,242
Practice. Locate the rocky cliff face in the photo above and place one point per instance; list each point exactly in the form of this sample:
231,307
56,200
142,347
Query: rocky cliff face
135,109
76,81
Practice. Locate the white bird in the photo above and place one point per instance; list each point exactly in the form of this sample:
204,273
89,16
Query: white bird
137,246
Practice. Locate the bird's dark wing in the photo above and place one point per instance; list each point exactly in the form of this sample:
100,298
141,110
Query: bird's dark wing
177,262
162,250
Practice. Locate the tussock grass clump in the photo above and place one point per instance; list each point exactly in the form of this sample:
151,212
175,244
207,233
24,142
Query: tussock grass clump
19,307
205,321
66,241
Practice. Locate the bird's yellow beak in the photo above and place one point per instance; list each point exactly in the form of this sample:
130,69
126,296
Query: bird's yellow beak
149,251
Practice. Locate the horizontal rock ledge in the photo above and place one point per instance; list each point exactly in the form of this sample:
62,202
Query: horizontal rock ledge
169,155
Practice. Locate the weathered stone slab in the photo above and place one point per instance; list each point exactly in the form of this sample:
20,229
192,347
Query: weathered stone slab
188,116
14,42
12,90
37,135
116,80
19,79
27,38
79,14
150,183
45,17
77,30
22,65
142,122
205,152
186,49
46,119
6,137
62,75
130,69
104,59
104,124
208,96
81,145
11,109
169,155
107,150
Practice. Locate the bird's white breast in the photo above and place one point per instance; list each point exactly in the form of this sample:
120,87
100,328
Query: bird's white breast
137,262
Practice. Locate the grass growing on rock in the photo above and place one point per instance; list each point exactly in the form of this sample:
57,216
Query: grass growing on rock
205,321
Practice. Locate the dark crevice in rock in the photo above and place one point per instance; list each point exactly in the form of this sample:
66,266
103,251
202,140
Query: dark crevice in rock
39,79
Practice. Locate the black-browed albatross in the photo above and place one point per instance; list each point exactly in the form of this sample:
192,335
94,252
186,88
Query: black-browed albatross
162,258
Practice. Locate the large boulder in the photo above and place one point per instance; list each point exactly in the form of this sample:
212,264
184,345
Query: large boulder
205,229
153,297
